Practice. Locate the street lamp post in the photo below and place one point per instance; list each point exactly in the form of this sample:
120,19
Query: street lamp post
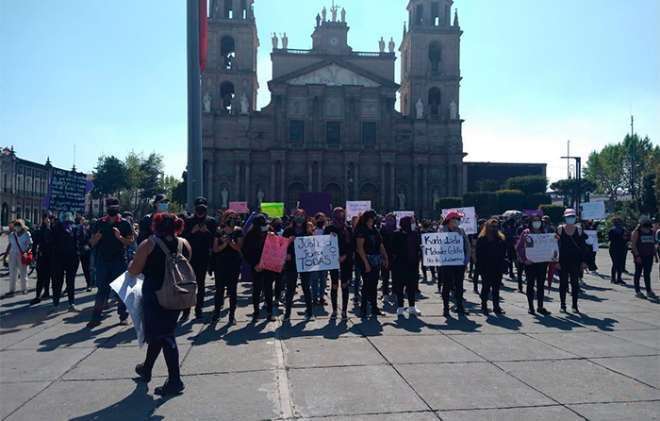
195,171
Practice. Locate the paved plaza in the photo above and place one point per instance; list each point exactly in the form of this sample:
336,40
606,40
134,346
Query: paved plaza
601,365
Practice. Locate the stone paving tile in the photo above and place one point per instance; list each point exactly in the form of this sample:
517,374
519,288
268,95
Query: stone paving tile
425,349
469,386
14,395
579,381
546,413
594,344
69,335
652,318
219,357
31,365
514,347
644,369
637,411
649,338
318,328
409,416
325,353
351,390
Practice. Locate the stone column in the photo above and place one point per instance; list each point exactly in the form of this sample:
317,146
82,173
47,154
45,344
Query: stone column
237,181
210,174
271,194
310,165
392,186
383,196
247,181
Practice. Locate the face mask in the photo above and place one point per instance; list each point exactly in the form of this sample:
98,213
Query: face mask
298,220
570,220
163,207
536,224
113,211
264,228
18,228
201,210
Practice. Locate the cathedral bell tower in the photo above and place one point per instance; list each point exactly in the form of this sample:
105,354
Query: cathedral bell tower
230,79
430,61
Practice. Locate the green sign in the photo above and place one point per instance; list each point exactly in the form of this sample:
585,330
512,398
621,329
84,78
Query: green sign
273,209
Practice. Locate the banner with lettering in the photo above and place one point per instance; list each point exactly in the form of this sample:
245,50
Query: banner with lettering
66,191
317,252
541,248
239,207
273,209
357,208
274,253
469,221
443,249
593,211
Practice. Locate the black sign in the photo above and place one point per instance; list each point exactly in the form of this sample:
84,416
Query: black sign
66,191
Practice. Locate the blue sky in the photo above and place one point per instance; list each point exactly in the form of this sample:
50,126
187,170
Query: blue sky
110,77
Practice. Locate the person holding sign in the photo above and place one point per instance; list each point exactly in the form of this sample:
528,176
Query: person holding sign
227,263
618,249
371,255
535,272
344,235
262,280
297,228
452,276
643,249
491,262
572,259
406,254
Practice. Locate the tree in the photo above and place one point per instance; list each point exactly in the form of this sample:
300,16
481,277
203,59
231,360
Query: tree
110,176
604,170
510,200
657,186
528,184
152,174
488,185
180,192
640,157
570,188
649,200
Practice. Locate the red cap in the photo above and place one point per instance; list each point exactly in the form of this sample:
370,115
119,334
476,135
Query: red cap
452,215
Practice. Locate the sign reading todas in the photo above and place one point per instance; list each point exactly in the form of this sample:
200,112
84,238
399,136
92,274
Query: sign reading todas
273,209
357,208
239,207
274,253
443,249
541,248
317,252
592,211
66,191
592,239
469,221
315,202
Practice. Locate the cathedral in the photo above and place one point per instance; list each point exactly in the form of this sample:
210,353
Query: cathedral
332,124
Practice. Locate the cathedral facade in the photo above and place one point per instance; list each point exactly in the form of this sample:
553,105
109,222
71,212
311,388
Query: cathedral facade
331,125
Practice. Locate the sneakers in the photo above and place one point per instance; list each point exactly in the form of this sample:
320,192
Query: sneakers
640,295
35,301
499,311
563,309
142,372
333,316
73,309
543,311
532,312
93,323
123,322
576,310
170,388
400,311
652,295
414,311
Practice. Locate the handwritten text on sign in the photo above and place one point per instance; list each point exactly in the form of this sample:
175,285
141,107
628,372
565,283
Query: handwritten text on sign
318,252
443,249
469,220
541,248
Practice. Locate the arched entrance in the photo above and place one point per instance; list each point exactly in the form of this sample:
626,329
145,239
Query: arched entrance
369,191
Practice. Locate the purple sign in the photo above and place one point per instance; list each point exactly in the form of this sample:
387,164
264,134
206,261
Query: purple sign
533,212
315,202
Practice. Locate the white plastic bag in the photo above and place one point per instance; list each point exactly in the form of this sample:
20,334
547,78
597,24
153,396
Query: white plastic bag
129,290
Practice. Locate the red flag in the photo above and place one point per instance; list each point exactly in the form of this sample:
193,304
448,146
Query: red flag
203,33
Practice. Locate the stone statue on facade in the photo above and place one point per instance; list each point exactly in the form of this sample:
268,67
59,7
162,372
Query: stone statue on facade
343,15
275,41
224,197
453,111
245,105
260,195
333,12
318,20
391,45
207,102
324,14
381,45
402,200
436,199
285,41
419,109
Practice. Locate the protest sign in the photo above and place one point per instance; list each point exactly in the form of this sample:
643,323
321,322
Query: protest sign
273,209
274,253
469,220
592,239
357,208
239,207
592,211
315,202
129,290
317,252
66,191
533,212
541,248
402,214
443,249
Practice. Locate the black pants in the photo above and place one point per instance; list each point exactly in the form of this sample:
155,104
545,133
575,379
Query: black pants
291,285
572,272
262,282
44,274
200,269
536,274
645,268
385,286
405,278
452,280
492,282
618,264
84,262
171,354
474,273
65,268
342,274
226,278
370,290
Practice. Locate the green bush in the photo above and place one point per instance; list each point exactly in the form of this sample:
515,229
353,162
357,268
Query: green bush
448,203
528,184
485,203
555,212
510,200
535,200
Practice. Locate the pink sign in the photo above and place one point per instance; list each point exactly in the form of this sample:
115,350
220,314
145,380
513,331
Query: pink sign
240,207
274,253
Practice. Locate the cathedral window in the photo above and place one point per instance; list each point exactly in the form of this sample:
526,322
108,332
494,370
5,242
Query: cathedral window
419,14
297,131
435,56
227,94
435,13
434,101
229,9
368,133
244,9
333,133
227,51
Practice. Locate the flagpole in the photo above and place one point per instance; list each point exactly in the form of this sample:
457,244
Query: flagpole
195,171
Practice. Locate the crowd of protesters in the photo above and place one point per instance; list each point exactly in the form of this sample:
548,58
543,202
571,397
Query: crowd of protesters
376,253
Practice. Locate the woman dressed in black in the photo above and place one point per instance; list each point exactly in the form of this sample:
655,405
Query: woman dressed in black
262,280
227,263
297,228
491,257
406,255
159,323
371,255
345,271
571,258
